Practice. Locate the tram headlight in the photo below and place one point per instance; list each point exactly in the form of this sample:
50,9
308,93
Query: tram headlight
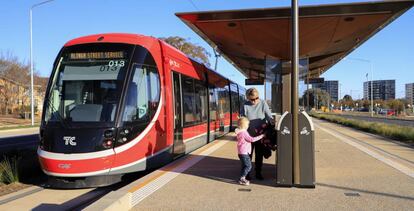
108,143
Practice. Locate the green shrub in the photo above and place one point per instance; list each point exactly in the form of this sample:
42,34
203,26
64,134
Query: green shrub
8,170
401,133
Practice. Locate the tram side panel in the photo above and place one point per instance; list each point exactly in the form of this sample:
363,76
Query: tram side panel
193,98
147,146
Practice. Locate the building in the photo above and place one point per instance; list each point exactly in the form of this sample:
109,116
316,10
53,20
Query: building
409,93
15,97
331,87
382,90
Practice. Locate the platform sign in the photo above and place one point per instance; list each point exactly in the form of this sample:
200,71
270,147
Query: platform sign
314,81
306,150
284,151
249,82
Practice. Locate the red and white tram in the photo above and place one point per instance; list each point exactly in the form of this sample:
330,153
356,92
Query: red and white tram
121,103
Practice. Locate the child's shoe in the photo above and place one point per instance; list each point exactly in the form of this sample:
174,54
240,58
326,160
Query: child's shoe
244,181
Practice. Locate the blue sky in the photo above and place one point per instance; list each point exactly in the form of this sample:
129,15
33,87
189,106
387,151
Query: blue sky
61,20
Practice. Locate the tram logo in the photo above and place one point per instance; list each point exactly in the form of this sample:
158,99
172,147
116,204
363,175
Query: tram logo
64,165
174,63
69,140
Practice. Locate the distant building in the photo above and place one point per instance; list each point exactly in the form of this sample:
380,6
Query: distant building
382,90
329,86
14,96
409,93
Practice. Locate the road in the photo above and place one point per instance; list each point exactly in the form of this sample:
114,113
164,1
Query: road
18,132
19,139
402,122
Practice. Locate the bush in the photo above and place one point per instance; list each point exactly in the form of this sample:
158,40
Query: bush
401,133
8,170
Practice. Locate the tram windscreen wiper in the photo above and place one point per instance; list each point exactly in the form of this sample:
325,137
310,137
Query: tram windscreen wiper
55,113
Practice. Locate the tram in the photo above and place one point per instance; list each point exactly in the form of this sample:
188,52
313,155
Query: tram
122,103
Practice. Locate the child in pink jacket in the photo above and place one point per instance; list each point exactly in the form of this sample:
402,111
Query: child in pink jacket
244,148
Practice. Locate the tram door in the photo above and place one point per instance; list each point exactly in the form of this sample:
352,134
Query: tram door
178,146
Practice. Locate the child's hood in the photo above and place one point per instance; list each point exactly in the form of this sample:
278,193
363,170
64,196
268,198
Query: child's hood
238,130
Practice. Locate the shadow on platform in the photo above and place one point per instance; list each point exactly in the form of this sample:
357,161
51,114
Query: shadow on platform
365,191
228,170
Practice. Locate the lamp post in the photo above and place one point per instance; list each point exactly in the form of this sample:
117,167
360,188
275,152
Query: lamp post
31,57
372,78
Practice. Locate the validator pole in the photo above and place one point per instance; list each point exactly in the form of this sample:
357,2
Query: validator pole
294,92
31,59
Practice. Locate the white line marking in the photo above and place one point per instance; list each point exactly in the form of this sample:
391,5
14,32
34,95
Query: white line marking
404,169
150,188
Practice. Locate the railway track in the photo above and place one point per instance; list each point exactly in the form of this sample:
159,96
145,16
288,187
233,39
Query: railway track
43,198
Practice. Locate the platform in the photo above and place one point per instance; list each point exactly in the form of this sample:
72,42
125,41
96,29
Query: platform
354,171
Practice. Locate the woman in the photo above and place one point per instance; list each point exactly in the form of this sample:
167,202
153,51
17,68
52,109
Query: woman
257,111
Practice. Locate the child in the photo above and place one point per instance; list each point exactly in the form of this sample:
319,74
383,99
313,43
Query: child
244,148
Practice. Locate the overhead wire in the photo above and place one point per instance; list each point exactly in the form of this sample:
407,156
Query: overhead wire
192,3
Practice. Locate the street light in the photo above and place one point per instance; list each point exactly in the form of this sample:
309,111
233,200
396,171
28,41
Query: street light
372,76
31,58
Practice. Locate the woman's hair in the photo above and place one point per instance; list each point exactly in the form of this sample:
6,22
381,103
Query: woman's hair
252,92
243,123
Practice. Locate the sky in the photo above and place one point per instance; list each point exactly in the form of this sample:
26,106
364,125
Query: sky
59,21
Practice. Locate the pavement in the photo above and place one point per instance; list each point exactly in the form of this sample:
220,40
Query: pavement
354,171
36,198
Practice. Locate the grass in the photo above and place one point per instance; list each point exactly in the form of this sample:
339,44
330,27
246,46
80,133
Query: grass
397,132
8,170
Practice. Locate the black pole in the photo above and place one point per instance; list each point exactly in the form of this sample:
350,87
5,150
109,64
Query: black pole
294,93
217,56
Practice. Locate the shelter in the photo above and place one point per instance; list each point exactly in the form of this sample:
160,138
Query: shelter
256,41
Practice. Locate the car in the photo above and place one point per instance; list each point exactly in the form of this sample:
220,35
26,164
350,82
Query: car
387,112
391,112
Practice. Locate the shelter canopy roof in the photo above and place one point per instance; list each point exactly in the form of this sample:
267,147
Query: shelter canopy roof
327,32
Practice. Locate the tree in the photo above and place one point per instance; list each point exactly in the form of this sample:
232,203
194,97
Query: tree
193,50
347,101
15,83
317,98
397,105
347,98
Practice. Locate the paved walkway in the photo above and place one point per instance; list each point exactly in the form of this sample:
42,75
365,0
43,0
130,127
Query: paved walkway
347,179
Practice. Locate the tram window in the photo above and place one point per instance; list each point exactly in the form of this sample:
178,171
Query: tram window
189,101
143,94
155,90
234,102
224,101
213,104
201,100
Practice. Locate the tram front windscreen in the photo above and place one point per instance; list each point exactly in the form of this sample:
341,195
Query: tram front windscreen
87,83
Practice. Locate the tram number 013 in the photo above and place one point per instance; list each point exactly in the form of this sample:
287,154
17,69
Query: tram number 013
112,65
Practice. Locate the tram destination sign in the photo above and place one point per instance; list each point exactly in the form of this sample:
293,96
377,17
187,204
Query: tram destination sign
97,55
